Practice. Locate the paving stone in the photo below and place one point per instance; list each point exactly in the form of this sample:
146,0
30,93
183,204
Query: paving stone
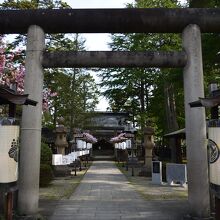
104,193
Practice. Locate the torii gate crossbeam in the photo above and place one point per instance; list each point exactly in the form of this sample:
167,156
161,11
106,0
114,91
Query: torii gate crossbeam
133,20
108,59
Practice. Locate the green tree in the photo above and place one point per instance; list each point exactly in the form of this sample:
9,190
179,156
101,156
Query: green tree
143,90
76,88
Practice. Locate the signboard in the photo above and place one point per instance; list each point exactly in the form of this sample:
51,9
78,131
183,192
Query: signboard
9,136
105,121
156,172
176,173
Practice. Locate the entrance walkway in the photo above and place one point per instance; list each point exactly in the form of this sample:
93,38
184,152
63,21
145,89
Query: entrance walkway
104,193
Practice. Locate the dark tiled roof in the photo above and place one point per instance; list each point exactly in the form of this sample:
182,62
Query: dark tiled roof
206,102
8,96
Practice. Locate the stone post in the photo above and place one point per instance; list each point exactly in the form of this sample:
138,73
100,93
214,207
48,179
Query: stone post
148,145
197,163
31,125
61,142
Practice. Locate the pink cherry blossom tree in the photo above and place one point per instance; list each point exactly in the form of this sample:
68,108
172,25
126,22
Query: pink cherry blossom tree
12,73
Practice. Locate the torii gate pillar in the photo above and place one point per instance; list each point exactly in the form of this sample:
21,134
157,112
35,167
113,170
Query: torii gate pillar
28,195
197,162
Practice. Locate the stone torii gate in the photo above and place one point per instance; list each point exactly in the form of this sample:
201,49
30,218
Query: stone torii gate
189,22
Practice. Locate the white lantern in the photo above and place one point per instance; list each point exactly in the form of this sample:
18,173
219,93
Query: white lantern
90,146
77,154
74,155
214,149
120,146
66,160
57,159
79,144
9,153
123,145
128,144
84,145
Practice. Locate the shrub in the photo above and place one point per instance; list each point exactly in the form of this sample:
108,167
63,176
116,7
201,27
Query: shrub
46,154
46,175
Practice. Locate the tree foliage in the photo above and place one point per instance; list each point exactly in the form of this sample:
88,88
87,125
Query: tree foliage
142,90
76,88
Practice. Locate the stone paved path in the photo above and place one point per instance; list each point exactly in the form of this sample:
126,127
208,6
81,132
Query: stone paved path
105,194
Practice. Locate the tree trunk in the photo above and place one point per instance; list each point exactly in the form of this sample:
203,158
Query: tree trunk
142,96
72,102
146,96
73,85
84,96
55,116
142,103
172,122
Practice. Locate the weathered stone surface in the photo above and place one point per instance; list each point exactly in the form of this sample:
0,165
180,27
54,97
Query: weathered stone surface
151,20
76,59
197,162
31,125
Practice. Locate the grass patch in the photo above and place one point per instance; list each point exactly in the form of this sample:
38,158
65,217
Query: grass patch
150,191
62,187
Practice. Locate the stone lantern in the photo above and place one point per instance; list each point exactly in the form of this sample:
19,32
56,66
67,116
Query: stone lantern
61,142
148,145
